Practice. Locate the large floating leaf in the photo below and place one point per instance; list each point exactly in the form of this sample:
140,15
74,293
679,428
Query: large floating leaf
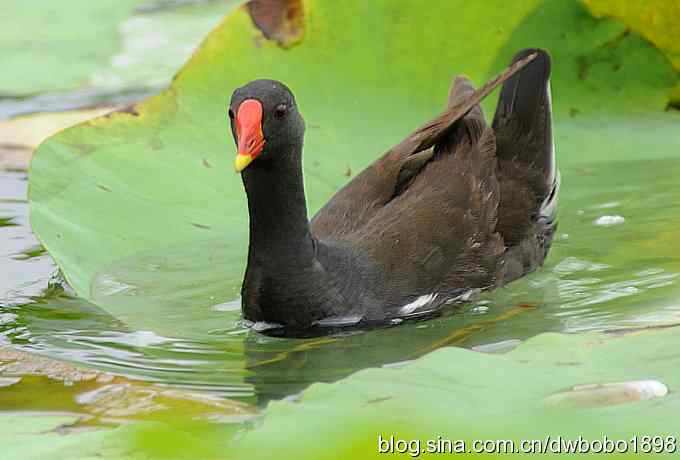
589,385
458,394
453,393
39,38
144,215
34,437
108,44
658,21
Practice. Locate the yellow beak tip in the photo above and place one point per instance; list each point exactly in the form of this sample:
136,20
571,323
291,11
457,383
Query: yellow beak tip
241,162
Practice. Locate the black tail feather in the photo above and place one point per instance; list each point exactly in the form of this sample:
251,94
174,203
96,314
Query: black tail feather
523,120
527,173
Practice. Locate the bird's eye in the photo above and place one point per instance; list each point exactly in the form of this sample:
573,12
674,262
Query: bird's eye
280,111
231,114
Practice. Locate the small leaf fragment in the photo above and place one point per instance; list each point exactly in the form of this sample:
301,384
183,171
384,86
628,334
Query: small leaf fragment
278,20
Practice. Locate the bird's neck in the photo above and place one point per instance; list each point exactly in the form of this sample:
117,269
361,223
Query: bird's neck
279,227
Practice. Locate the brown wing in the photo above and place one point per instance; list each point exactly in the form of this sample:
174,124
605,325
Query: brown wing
365,195
439,233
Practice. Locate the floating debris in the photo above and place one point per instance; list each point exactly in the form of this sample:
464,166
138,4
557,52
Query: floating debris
606,221
608,394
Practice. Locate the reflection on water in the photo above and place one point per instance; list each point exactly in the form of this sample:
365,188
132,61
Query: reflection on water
598,277
24,266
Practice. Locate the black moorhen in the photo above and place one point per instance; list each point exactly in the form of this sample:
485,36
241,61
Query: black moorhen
456,207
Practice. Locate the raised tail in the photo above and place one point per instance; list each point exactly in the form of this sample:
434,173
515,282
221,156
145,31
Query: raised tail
523,120
527,172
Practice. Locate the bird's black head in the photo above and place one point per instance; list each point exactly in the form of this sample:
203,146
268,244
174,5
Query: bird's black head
265,123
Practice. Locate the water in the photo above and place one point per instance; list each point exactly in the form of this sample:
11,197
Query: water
613,266
24,267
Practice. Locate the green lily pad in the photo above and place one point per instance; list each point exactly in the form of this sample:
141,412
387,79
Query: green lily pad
451,394
457,394
42,36
38,436
655,20
157,40
108,44
144,215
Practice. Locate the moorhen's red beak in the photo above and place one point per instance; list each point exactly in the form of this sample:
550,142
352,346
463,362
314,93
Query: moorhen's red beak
248,133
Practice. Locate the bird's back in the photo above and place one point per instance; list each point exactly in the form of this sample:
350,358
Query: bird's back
473,211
